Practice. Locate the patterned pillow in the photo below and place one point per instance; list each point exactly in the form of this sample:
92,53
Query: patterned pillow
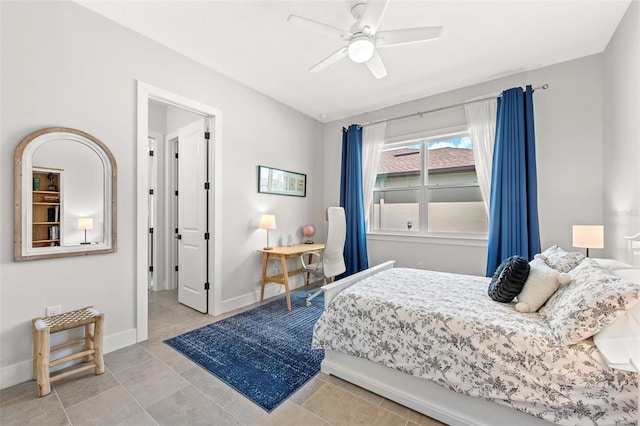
509,279
561,260
594,299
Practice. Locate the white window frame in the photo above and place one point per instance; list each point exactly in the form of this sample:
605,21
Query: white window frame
424,138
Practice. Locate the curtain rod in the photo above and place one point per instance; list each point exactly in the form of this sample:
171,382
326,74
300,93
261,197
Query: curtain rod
421,113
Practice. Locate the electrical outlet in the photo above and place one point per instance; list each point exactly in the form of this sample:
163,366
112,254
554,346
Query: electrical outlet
420,265
53,310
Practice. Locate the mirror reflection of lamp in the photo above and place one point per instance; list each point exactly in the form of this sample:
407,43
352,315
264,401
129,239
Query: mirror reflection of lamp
85,223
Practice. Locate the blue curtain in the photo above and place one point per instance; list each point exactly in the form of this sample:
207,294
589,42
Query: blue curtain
513,209
351,199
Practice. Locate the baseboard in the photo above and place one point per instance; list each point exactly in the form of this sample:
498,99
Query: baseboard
249,299
120,340
23,371
271,290
16,373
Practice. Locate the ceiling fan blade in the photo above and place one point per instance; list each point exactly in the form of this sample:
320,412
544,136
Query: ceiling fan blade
372,15
319,27
407,36
376,66
331,59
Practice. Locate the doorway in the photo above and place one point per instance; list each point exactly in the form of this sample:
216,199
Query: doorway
179,181
151,251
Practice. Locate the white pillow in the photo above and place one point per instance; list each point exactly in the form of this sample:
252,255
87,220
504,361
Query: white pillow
631,274
541,283
611,264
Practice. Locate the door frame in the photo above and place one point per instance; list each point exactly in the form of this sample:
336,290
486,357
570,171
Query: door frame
145,93
170,208
153,183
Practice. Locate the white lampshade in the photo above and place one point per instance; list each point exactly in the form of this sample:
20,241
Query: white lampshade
267,221
85,223
588,236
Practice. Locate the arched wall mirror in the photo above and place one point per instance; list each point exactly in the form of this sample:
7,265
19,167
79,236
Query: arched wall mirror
64,195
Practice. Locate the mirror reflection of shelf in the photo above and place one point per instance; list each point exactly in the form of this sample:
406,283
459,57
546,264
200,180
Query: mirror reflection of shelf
46,207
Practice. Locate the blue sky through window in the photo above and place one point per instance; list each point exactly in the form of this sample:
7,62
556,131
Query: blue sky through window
461,142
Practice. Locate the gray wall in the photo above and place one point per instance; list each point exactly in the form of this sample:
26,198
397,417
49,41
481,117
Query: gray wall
63,65
622,135
569,128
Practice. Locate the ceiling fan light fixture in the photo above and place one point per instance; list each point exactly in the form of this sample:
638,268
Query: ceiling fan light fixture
361,49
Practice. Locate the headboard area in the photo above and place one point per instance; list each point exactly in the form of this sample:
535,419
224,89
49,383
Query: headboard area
634,249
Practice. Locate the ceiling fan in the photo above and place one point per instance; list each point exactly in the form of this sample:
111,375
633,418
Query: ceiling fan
363,38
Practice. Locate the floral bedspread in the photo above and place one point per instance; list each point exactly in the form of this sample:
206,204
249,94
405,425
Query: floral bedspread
444,327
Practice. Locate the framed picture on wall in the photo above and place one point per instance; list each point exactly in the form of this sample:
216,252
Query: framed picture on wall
281,182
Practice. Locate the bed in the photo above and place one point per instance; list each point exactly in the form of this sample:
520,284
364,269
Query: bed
436,343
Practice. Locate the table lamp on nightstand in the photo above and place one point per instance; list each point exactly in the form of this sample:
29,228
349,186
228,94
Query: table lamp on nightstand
267,221
588,236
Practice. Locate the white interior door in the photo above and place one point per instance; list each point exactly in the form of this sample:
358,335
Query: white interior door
192,212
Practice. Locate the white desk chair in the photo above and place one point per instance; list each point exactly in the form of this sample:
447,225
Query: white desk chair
330,262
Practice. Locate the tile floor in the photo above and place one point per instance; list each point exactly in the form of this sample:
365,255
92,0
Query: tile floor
151,384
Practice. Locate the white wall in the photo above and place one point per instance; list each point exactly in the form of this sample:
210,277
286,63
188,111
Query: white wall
157,118
622,134
63,65
178,117
569,127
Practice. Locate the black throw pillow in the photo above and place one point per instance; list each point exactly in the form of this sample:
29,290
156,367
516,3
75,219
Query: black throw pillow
509,278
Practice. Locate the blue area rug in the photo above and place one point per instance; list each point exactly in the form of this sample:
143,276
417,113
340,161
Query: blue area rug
264,353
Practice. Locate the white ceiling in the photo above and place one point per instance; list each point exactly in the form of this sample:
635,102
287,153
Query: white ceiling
251,42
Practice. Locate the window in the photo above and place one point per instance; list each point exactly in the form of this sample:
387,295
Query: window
428,186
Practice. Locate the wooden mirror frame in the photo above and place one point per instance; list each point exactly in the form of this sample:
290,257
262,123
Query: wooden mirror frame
23,173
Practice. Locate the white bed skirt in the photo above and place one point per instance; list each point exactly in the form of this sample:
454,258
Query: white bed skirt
423,395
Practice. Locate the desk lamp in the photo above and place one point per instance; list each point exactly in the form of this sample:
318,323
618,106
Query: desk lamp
267,221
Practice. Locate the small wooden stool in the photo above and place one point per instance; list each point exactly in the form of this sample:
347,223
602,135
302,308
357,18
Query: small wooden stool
93,323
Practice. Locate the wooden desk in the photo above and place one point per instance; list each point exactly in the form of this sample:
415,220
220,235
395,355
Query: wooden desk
284,253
